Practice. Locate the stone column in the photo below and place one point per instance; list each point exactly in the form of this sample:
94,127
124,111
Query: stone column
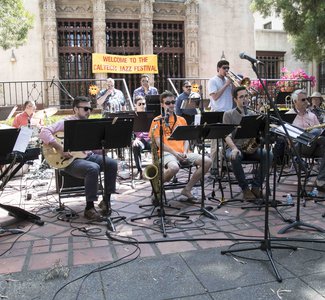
146,27
191,38
99,30
51,60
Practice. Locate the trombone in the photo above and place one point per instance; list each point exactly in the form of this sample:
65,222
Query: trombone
238,81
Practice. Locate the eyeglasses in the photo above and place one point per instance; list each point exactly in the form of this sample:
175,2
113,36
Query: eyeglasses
139,104
85,108
225,68
170,102
188,86
243,96
303,99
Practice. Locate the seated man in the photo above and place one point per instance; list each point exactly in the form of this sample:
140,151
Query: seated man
175,152
187,90
303,120
25,118
111,99
88,168
142,140
316,100
235,152
145,88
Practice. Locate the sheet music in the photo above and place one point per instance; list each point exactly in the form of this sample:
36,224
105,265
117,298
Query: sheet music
292,131
23,139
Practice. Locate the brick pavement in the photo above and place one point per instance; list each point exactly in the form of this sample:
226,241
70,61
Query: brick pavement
75,242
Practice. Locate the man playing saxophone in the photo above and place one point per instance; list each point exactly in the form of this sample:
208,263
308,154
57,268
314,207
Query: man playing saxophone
176,153
236,152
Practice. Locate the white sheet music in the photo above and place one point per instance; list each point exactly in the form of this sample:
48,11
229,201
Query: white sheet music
292,131
23,139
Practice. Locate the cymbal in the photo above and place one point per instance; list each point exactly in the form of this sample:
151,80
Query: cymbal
45,113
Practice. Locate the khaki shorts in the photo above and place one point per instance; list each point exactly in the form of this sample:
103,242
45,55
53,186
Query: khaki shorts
192,158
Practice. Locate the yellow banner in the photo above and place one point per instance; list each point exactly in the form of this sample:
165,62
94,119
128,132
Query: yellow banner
125,64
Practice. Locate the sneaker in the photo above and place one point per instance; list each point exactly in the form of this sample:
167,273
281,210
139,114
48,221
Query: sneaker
257,192
248,195
92,214
103,206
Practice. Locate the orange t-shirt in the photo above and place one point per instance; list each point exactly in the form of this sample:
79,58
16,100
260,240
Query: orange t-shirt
178,146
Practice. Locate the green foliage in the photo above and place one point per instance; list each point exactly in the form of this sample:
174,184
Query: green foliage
15,22
304,20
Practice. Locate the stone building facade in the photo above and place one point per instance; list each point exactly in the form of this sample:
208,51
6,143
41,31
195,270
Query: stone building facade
210,28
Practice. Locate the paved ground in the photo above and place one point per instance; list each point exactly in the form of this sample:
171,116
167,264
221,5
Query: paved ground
137,262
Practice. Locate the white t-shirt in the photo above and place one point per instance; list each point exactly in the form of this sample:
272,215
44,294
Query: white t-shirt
225,101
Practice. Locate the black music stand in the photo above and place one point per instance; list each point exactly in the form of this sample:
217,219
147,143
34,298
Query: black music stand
297,223
202,132
153,103
8,139
101,134
6,112
142,123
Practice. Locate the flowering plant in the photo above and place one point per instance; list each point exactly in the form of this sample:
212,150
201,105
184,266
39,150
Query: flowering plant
257,86
291,80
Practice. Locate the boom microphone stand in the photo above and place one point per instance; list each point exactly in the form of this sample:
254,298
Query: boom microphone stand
265,243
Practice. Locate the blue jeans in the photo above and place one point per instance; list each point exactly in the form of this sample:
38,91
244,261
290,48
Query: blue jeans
237,167
89,170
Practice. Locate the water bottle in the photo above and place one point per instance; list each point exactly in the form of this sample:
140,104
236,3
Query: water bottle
289,199
314,192
195,192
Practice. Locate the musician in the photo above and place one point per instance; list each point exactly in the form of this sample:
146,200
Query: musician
142,139
25,118
316,100
145,88
303,120
88,168
220,91
176,152
235,152
111,99
187,90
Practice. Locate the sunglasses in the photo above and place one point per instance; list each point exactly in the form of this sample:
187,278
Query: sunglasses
139,104
170,102
225,68
188,86
303,99
85,108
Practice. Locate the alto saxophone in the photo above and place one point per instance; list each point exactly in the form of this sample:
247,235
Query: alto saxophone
151,172
250,146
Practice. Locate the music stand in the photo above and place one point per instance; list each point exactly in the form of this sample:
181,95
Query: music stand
153,103
212,117
6,112
101,134
8,138
142,122
202,132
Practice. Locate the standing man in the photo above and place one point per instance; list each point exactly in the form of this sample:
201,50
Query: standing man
316,100
235,151
175,152
145,88
220,91
87,168
111,99
187,90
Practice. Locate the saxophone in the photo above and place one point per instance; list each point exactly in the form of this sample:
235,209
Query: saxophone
249,146
151,172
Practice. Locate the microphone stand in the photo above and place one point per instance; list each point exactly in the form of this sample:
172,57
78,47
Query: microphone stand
265,242
161,214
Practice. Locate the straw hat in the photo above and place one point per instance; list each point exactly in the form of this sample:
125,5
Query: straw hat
316,95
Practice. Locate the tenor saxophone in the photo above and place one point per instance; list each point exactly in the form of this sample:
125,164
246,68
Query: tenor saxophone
151,172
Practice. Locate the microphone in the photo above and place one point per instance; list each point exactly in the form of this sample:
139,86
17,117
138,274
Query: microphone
253,60
167,117
245,110
52,81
